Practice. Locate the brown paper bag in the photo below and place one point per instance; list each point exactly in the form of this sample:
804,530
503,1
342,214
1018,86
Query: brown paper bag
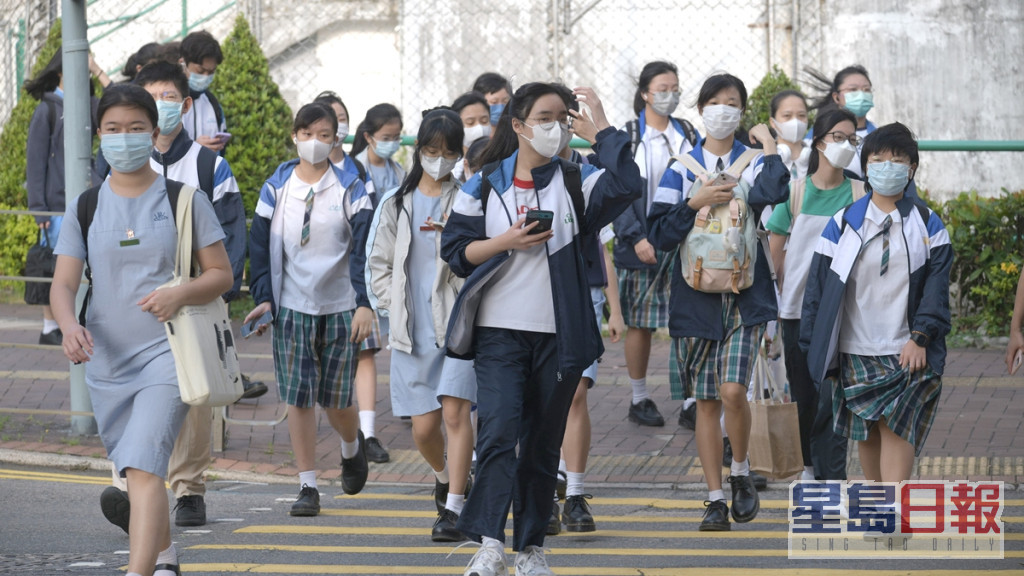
774,427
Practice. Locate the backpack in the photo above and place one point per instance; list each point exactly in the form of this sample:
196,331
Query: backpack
719,253
796,197
633,130
570,174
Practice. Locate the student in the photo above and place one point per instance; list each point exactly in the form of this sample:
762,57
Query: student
377,139
338,156
129,366
532,334
409,283
147,54
497,90
715,337
471,162
44,167
204,122
788,111
850,89
473,110
307,252
876,311
815,198
643,271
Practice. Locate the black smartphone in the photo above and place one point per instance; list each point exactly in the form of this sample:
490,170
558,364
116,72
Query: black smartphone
251,327
543,219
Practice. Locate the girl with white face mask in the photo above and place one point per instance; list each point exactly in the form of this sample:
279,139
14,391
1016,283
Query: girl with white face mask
377,139
876,311
475,114
795,227
849,90
789,119
715,337
533,309
410,284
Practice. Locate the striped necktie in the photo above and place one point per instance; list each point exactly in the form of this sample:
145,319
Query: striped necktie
720,166
305,218
886,226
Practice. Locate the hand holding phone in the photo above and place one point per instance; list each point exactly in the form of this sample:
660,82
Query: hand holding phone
543,219
223,136
723,179
250,328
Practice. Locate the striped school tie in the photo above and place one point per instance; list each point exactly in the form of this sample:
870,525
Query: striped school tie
305,218
720,166
886,225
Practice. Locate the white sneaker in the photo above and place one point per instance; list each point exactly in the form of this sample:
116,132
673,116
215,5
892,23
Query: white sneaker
531,562
489,560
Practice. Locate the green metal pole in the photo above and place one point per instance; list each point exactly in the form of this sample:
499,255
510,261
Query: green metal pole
77,163
184,18
20,56
971,145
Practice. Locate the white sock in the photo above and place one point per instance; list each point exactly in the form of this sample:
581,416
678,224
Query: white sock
474,455
740,468
574,484
716,495
561,465
49,326
639,390
488,541
442,474
350,449
368,422
169,556
689,402
808,473
455,502
307,478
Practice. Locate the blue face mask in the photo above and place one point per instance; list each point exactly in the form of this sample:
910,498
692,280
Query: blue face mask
386,149
127,152
859,103
199,82
888,178
496,110
169,115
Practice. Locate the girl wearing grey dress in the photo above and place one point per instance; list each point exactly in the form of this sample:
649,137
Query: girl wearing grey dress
130,246
409,283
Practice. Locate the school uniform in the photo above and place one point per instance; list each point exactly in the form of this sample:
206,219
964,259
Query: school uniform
856,320
205,117
715,336
854,166
314,287
526,318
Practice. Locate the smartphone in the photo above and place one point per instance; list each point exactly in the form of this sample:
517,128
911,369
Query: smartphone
250,328
223,136
1018,359
724,178
543,219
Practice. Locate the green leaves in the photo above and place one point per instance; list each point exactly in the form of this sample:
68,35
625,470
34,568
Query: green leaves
760,100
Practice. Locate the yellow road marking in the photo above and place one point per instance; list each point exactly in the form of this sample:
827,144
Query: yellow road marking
567,571
431,515
53,477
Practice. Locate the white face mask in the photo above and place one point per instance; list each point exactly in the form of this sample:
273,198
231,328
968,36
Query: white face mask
547,138
437,167
721,120
474,133
792,130
313,150
342,133
840,155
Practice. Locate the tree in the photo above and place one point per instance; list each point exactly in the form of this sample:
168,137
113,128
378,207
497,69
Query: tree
759,103
258,117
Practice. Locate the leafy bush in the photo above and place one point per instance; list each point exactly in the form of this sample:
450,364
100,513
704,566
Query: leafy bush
258,118
760,100
19,233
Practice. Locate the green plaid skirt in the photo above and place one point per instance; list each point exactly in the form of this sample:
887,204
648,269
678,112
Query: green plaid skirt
698,367
313,360
644,294
872,387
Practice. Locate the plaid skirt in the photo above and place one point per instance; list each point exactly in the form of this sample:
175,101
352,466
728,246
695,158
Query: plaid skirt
872,387
698,367
313,360
644,294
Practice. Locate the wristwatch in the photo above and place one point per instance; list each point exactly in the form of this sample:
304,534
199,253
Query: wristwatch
920,338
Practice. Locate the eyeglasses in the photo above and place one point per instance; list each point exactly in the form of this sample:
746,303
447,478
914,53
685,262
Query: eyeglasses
565,121
840,137
167,95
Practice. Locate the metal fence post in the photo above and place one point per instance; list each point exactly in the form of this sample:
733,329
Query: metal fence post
77,163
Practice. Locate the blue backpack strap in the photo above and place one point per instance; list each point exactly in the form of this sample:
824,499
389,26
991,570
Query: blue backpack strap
206,164
574,185
485,183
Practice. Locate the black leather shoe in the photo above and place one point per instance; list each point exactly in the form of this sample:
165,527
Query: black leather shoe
444,528
577,514
745,501
555,524
646,413
55,338
252,389
354,470
760,482
190,511
375,451
688,417
726,453
716,517
116,507
440,495
308,503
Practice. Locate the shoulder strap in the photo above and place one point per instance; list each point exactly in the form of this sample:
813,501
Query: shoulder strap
688,131
736,168
86,211
183,222
858,189
174,189
691,164
206,165
485,183
359,168
796,199
573,178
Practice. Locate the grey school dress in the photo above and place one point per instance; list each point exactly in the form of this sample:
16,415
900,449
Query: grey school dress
131,376
418,379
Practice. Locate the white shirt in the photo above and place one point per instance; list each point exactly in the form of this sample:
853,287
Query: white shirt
316,277
875,307
201,119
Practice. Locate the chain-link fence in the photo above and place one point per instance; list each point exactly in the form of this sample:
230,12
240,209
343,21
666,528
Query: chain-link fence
23,29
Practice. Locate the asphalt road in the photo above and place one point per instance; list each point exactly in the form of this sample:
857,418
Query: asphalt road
50,523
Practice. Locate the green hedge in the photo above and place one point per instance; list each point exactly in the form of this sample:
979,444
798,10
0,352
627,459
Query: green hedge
760,100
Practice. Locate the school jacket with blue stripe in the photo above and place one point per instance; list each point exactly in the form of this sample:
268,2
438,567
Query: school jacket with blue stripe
606,192
930,259
699,314
266,260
